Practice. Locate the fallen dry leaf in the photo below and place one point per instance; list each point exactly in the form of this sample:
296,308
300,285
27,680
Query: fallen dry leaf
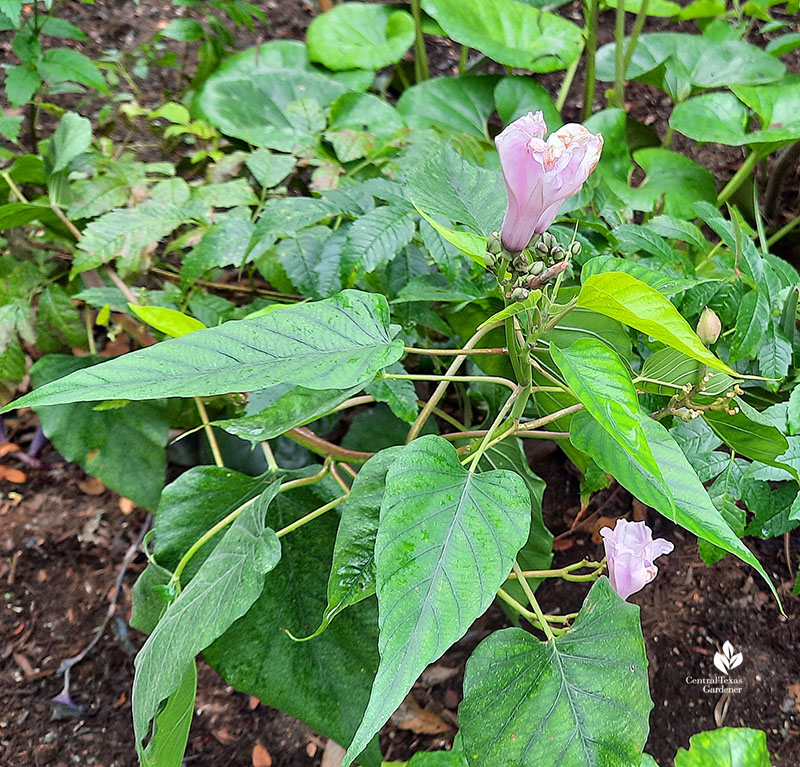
332,755
92,486
8,447
253,702
126,506
436,674
12,475
261,757
411,716
599,524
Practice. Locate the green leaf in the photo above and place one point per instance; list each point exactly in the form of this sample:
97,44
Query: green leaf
698,118
624,298
448,186
667,371
660,280
451,104
185,30
431,587
377,237
678,229
359,36
10,126
21,83
509,32
775,106
59,327
336,343
678,494
255,106
399,394
60,64
149,600
224,588
324,682
751,325
725,747
516,96
273,411
171,734
578,700
312,260
123,448
352,576
775,353
470,244
268,168
599,379
73,137
125,234
12,362
169,321
225,243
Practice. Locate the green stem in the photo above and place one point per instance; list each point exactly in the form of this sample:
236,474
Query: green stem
454,352
526,587
87,318
783,231
464,379
210,436
476,457
566,572
311,516
463,60
635,32
272,464
738,178
569,76
438,393
590,32
619,56
421,71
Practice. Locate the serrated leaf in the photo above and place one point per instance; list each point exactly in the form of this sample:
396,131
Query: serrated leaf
312,260
59,64
580,699
377,237
678,495
59,326
430,588
268,168
329,344
225,243
71,138
632,302
21,83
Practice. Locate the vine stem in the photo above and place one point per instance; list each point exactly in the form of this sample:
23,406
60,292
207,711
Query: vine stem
526,587
454,352
565,572
209,430
462,379
619,56
269,456
316,444
485,441
421,71
592,13
311,516
638,24
783,231
438,393
738,178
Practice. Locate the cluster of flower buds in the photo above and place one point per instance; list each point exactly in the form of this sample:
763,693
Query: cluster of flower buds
686,410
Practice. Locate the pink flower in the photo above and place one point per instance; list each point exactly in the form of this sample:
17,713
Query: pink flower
630,552
539,175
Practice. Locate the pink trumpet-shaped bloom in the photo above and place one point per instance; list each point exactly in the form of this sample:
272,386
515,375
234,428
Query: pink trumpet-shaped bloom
539,175
630,553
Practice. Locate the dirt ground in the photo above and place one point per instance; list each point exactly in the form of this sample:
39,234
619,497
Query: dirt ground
63,540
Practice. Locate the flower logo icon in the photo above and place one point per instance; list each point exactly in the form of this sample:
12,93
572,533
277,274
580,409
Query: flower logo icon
728,659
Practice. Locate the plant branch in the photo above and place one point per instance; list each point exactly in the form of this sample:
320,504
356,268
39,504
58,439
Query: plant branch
316,444
454,352
526,587
590,33
421,71
738,178
311,516
209,431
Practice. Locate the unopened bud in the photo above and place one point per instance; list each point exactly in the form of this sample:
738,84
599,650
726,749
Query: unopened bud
519,294
575,249
558,253
520,263
549,240
489,260
536,268
494,245
709,326
542,248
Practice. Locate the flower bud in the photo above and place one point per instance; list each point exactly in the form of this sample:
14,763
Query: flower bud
630,553
558,253
494,245
542,248
575,249
709,326
539,175
489,260
519,294
536,268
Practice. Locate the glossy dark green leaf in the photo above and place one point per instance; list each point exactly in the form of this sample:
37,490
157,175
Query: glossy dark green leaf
581,699
516,96
678,495
359,36
329,344
751,325
446,542
224,588
509,32
323,682
124,448
661,281
634,303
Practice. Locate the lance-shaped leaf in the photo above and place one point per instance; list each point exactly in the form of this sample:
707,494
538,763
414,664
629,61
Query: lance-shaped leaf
329,344
623,297
224,588
446,542
171,734
352,575
581,699
679,494
598,378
